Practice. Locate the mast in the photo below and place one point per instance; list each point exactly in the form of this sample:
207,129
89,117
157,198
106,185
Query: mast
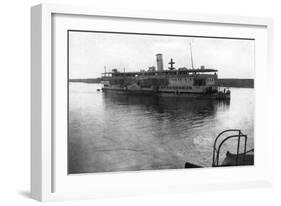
191,55
104,68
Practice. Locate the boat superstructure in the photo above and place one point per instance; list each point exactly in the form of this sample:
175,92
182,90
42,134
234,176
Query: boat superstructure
200,82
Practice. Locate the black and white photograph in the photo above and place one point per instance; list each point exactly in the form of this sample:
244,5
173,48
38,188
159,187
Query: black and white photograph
139,101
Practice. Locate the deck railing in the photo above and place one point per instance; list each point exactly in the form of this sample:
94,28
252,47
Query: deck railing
217,147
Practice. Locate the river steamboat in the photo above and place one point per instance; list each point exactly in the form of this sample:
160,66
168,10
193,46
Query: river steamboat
193,82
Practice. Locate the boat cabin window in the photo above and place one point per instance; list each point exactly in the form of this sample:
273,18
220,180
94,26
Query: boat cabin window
199,82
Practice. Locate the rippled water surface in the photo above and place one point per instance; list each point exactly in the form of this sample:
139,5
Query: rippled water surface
117,132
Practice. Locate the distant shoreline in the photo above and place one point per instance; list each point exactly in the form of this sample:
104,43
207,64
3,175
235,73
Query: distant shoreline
239,83
224,82
89,80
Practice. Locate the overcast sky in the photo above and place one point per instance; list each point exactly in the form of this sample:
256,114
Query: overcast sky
90,52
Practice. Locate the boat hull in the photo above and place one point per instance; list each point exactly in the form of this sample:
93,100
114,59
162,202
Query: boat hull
214,95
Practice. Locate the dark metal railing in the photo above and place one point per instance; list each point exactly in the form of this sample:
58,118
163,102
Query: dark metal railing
216,150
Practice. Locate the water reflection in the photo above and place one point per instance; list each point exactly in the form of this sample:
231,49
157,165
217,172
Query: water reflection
170,108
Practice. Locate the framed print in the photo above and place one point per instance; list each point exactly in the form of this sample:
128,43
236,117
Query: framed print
135,102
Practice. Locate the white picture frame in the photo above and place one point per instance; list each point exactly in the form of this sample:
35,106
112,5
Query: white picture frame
50,182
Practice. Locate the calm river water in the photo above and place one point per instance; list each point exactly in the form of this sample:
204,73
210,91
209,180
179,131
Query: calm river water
117,132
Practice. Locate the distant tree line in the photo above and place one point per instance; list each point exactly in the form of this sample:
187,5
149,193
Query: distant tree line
90,80
241,83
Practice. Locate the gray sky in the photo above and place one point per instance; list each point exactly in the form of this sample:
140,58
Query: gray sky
89,52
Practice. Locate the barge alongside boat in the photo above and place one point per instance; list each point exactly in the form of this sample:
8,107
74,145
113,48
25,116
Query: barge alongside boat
196,83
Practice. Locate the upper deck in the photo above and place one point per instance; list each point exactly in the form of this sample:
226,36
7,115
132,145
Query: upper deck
161,73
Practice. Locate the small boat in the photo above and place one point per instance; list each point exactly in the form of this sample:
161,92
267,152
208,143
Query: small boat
98,90
242,159
231,159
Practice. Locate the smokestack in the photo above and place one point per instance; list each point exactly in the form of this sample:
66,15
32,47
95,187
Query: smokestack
159,60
